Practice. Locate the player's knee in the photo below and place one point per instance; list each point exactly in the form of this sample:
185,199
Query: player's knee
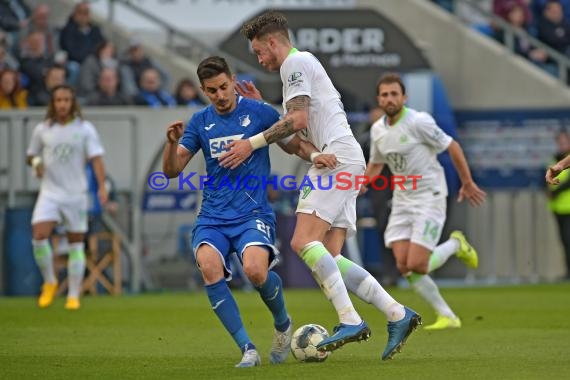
256,273
298,244
402,268
211,270
419,267
40,235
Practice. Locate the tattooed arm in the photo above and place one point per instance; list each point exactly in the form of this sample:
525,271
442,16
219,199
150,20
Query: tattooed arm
296,118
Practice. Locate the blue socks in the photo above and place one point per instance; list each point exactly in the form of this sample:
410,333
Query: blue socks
271,293
225,307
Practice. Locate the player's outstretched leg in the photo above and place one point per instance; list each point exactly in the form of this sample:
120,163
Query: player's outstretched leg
466,252
399,331
457,245
44,259
271,293
401,320
323,267
225,307
428,290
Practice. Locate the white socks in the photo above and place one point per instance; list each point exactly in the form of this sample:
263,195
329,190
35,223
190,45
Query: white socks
427,289
75,269
442,253
368,289
328,276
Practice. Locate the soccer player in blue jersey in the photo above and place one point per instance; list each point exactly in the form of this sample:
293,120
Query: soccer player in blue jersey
233,217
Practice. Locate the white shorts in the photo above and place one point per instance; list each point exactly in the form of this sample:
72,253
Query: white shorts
72,212
420,224
331,204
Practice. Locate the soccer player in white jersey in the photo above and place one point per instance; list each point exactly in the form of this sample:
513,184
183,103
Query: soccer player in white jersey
408,141
324,217
59,148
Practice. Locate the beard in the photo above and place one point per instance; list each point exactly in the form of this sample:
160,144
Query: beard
392,111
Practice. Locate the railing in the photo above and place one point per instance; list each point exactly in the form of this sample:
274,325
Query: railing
562,61
199,49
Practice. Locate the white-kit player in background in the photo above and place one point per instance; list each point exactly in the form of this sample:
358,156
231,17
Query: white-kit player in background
408,141
58,151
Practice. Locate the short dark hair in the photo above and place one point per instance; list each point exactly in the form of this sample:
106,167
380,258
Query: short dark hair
264,24
390,78
211,67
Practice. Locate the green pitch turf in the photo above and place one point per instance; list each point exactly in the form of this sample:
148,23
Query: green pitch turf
509,333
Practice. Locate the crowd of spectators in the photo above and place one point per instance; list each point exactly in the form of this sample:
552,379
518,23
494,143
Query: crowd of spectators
36,56
546,20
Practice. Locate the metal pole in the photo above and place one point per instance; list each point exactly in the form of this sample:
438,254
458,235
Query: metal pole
111,19
534,246
137,188
10,168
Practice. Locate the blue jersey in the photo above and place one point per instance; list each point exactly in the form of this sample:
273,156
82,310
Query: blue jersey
232,195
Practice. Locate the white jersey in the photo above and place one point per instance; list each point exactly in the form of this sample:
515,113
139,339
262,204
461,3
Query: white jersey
303,74
64,150
410,147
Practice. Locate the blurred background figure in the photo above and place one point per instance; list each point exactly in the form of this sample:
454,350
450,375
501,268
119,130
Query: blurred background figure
7,60
12,95
80,37
187,94
104,57
559,196
553,29
34,61
107,91
518,16
138,61
39,22
151,92
54,76
13,15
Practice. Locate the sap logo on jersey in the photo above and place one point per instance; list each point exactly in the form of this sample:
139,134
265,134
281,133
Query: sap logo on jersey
218,145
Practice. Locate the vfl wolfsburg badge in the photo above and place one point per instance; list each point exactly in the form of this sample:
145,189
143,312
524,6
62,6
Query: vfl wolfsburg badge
306,191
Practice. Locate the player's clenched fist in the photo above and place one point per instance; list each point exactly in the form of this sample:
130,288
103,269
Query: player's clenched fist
174,131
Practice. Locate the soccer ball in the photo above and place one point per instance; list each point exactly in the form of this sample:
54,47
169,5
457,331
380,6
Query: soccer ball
304,343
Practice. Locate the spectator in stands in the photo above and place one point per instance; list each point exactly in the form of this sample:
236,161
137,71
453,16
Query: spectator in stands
538,7
80,37
12,95
105,58
151,93
559,196
39,22
187,94
7,61
503,8
553,29
138,61
522,46
34,63
55,76
13,15
107,91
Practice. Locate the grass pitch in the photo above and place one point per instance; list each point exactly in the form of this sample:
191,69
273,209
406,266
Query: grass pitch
508,333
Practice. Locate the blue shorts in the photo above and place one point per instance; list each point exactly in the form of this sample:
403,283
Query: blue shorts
229,238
